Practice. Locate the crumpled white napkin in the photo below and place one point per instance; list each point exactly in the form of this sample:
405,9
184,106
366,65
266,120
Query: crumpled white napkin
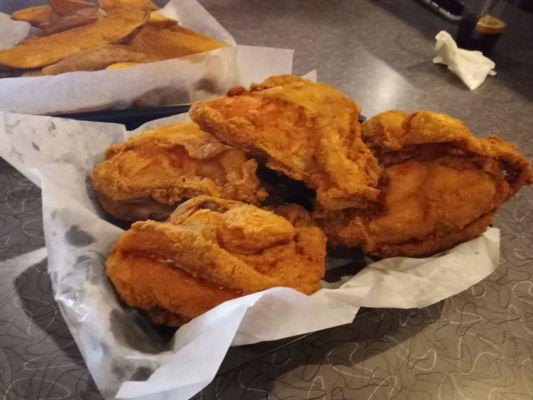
471,66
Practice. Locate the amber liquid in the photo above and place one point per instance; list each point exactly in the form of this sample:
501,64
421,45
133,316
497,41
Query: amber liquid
479,34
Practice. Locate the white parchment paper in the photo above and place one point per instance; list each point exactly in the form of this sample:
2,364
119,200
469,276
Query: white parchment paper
125,354
12,32
177,81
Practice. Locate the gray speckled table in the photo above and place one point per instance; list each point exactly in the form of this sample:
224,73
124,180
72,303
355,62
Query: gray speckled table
477,345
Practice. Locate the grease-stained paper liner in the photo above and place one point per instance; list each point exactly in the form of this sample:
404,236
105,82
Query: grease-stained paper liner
176,81
125,354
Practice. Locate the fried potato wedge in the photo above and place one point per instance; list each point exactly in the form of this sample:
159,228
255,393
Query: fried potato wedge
116,27
64,22
157,20
93,60
50,21
122,65
33,72
172,43
65,7
36,16
141,4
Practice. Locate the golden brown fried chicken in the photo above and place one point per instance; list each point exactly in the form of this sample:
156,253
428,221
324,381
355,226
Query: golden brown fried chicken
211,250
441,185
309,131
148,175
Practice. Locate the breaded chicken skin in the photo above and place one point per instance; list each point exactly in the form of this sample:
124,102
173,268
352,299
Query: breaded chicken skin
211,250
441,186
308,131
148,175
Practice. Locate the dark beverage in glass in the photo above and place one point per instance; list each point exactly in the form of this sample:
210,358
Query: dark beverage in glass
482,33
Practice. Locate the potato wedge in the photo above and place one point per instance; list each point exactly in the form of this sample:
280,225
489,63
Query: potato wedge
93,60
50,21
122,65
64,22
157,20
33,72
65,7
116,27
36,16
142,4
175,42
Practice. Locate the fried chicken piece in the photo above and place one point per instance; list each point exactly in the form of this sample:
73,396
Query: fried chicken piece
442,186
308,131
212,250
148,175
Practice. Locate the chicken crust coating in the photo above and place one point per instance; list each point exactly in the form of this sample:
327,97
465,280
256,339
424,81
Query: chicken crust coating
308,131
148,175
211,250
441,186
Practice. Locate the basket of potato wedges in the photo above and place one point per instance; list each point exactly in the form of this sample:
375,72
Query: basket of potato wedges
78,35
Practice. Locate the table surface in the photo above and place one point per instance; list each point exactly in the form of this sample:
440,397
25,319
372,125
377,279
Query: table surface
476,345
